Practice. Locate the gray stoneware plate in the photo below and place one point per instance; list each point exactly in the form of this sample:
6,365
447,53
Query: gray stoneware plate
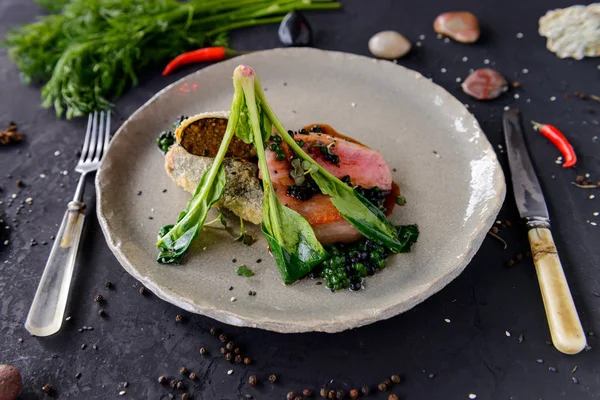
445,166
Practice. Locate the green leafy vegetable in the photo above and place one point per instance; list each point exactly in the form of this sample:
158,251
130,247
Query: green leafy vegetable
401,201
244,271
88,52
244,236
291,238
175,240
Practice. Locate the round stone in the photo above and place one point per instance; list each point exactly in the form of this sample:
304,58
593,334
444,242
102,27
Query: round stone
461,26
485,84
389,45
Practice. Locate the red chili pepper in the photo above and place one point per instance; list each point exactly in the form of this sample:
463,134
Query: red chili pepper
560,141
201,55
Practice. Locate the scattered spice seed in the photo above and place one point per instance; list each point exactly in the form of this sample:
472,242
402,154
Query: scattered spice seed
365,390
142,290
510,263
193,376
83,346
10,135
290,396
237,350
521,339
223,350
202,350
238,359
179,318
223,338
392,397
47,388
213,331
574,369
354,394
228,356
183,370
552,369
252,380
387,381
173,383
108,284
230,372
323,392
98,299
272,378
180,385
395,378
340,394
472,396
539,361
229,346
185,396
382,387
101,312
331,394
247,360
575,380
307,393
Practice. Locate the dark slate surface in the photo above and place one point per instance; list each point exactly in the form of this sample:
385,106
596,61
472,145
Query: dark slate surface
140,339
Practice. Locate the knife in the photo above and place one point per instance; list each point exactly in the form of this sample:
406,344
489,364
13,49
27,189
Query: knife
563,321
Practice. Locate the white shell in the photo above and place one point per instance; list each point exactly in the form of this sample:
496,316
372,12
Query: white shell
572,32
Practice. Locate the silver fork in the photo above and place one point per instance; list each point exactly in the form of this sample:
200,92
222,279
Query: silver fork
48,308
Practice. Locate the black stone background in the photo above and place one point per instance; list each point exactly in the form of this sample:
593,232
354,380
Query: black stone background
140,339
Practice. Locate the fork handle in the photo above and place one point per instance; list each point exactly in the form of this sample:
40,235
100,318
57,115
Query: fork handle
48,308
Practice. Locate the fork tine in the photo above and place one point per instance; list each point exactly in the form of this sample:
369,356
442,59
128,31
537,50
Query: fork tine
100,142
86,141
90,155
106,134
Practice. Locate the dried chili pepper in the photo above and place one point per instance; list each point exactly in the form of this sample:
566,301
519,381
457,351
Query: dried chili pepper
560,141
205,54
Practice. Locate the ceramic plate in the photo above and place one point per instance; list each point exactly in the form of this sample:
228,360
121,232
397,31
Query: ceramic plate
444,164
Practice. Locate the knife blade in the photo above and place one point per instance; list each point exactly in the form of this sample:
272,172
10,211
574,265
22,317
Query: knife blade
563,320
528,192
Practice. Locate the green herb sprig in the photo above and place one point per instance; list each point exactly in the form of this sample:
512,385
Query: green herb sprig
88,52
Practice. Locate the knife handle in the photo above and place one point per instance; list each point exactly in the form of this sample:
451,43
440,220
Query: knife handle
566,330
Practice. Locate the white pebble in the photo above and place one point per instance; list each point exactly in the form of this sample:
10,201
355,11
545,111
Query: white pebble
443,70
472,396
592,197
447,320
465,59
422,37
525,70
517,95
552,98
507,333
486,61
57,153
458,80
232,299
353,104
230,372
519,35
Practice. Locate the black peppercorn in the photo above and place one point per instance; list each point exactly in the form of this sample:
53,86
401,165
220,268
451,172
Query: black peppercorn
193,376
252,380
323,392
179,318
396,378
307,393
101,312
290,396
228,356
185,396
183,370
108,284
214,331
272,378
340,394
298,398
229,346
223,338
238,359
237,351
47,388
353,394
365,390
331,394
142,291
162,380
387,381
202,350
223,350
98,299
180,385
247,360
382,387
173,383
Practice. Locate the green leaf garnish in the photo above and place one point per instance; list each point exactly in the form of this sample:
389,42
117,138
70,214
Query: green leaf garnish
244,236
244,271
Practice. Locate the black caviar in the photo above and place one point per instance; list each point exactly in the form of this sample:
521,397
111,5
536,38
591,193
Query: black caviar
305,191
374,195
166,138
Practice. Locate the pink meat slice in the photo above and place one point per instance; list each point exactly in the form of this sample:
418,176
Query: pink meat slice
365,166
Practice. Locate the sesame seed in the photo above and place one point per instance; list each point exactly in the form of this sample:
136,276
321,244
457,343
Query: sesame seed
421,37
29,200
593,223
447,320
507,333
525,70
587,175
596,214
446,40
443,70
65,172
592,197
57,153
6,242
353,104
486,61
42,176
233,299
14,196
465,59
439,36
230,372
419,44
458,80
552,98
528,100
506,108
122,393
517,95
472,396
519,35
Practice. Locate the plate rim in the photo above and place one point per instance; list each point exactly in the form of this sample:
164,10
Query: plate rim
290,326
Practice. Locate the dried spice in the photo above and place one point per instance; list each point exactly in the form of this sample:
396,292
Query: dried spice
396,378
272,378
10,135
290,396
162,380
47,388
365,390
193,376
98,299
253,380
354,394
247,360
340,394
382,387
323,392
307,393
183,371
202,350
392,397
179,318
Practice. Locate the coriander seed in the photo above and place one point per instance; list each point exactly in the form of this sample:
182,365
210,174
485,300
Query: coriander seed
47,388
223,338
193,376
290,396
323,393
180,385
272,378
98,298
340,394
252,380
179,318
237,351
365,390
395,378
202,350
382,387
228,356
392,397
185,396
353,394
162,380
307,393
183,370
247,360
214,331
229,346
238,359
331,394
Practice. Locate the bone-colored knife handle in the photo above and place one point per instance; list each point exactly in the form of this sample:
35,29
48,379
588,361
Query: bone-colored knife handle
566,330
